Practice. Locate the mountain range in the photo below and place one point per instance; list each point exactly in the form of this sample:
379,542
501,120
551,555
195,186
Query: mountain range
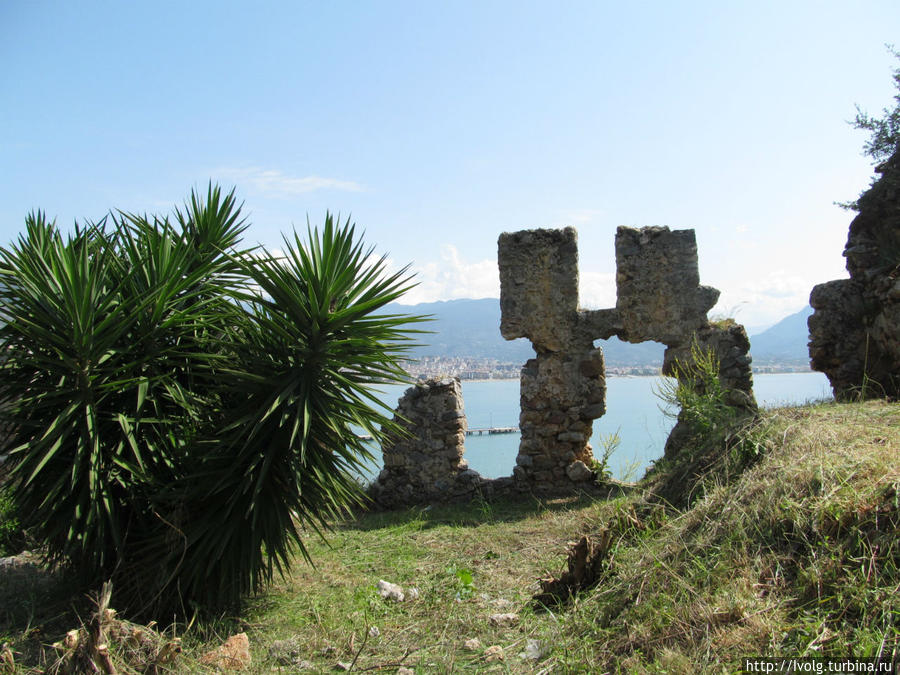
471,329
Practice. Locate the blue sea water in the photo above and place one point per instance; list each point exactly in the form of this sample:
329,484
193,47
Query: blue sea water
633,412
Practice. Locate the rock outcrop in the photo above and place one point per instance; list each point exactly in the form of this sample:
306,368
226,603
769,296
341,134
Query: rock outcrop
855,329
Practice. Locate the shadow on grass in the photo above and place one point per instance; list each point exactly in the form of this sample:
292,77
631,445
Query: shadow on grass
476,512
37,607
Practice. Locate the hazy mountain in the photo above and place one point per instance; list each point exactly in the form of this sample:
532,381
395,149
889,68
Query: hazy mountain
471,328
785,341
465,328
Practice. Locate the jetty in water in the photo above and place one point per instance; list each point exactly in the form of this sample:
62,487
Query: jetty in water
481,431
492,430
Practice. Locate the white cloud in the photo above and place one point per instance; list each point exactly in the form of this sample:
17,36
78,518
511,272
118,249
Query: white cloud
453,278
597,290
581,216
765,301
274,183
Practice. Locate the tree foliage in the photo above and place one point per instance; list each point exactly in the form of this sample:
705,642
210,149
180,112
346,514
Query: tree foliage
181,409
884,131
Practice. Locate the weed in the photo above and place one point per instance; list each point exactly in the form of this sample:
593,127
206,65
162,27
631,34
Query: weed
610,443
11,537
698,394
465,582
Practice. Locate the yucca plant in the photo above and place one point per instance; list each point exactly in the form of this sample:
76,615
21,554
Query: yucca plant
179,408
105,334
288,457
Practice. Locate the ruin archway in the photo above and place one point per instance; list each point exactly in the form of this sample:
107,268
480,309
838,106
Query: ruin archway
563,389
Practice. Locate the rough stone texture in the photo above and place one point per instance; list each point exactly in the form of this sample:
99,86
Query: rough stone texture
729,343
658,291
233,654
563,389
539,286
427,463
390,591
560,396
855,329
731,346
837,334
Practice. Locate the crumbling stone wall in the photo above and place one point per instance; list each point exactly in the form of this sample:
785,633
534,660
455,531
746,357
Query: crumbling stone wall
563,388
426,463
658,291
659,298
855,328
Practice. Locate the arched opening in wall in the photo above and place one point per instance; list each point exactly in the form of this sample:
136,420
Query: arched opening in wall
491,401
492,412
636,424
490,393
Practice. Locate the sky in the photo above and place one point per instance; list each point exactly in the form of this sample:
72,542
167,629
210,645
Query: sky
436,126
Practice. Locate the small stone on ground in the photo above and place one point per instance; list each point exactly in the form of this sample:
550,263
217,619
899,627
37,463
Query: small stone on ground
508,619
234,654
472,644
493,653
390,591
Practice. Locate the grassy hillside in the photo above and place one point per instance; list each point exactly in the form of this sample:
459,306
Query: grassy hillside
784,544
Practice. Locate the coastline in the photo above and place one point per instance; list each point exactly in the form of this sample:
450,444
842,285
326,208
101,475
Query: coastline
608,376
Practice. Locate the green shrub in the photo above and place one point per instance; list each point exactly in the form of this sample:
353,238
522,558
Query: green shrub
698,394
181,408
609,443
11,538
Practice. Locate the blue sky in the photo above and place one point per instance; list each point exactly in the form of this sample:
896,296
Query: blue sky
439,125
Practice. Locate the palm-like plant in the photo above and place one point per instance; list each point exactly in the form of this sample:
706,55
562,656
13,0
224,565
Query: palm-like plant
106,334
180,409
307,355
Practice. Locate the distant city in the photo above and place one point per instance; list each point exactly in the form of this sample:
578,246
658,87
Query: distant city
473,368
463,339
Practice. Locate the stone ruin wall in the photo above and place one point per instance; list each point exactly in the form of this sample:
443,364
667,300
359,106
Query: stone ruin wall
563,388
658,297
855,328
427,463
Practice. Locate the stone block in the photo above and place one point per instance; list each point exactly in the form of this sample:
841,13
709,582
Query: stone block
423,466
578,471
539,286
659,296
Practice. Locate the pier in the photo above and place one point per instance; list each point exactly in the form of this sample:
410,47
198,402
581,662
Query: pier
481,431
492,430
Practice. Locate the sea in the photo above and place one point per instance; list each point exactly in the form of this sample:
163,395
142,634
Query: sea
636,422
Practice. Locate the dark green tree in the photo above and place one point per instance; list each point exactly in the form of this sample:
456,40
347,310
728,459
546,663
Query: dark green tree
884,131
